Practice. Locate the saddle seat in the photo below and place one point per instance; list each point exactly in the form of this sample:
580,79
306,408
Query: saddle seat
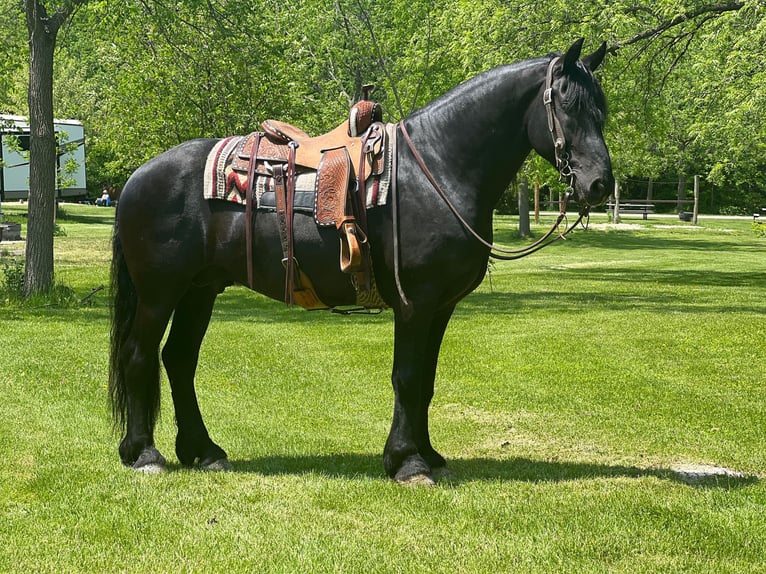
347,135
310,149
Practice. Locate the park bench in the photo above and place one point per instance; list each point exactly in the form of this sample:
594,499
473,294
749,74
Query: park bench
10,232
633,208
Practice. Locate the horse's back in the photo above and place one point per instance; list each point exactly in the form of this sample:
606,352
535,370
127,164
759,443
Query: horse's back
174,170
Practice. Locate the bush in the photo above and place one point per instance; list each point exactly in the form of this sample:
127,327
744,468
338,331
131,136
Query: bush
12,290
12,286
60,295
733,210
759,228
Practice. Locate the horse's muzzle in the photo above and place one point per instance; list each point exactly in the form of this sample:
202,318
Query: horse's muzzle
596,192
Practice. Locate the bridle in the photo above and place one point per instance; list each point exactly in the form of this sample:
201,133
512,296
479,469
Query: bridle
566,174
557,134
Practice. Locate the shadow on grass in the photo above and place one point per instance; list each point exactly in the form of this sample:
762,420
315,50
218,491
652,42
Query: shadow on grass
476,469
675,277
102,216
531,470
503,303
630,240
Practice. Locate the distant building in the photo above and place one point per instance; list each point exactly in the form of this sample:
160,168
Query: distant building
14,158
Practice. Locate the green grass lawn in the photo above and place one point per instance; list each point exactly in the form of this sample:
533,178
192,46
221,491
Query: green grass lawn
571,386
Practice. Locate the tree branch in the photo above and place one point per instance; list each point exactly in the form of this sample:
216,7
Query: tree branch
710,10
62,14
365,17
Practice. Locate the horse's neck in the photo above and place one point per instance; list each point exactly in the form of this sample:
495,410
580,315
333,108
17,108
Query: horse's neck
477,130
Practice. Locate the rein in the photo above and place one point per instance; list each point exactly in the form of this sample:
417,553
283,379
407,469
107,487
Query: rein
562,164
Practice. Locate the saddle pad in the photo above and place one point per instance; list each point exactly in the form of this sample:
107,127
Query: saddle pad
222,181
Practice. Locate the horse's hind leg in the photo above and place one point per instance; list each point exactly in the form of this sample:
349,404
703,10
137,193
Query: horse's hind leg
180,355
142,387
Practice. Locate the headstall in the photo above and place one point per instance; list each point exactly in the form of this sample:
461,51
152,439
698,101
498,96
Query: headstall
566,175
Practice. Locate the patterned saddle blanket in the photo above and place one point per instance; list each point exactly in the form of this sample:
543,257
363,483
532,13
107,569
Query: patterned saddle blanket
226,175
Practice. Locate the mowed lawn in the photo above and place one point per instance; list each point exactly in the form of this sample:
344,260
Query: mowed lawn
573,387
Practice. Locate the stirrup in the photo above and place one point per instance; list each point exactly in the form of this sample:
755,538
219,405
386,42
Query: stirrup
351,240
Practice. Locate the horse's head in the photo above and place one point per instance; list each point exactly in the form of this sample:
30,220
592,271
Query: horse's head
565,124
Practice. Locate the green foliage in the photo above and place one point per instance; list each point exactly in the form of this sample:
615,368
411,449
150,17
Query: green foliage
12,290
13,60
509,202
733,210
12,286
759,228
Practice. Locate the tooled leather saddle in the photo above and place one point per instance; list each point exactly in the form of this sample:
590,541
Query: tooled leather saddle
343,160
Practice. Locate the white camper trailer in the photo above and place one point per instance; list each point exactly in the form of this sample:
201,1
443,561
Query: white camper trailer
14,158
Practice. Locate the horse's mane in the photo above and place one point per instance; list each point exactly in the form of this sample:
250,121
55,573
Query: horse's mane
585,94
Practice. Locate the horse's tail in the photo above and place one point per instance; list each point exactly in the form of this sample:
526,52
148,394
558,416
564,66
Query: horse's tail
123,311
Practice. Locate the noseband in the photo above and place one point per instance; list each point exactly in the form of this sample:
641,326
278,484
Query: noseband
562,164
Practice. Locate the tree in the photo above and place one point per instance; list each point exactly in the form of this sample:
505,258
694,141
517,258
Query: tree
684,85
42,32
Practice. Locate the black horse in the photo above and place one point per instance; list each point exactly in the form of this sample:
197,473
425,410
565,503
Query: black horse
174,251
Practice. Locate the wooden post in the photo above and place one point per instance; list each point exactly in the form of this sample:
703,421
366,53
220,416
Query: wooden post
537,200
616,216
681,195
650,190
696,199
524,230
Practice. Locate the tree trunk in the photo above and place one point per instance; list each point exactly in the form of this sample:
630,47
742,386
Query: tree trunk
524,229
42,32
681,200
696,210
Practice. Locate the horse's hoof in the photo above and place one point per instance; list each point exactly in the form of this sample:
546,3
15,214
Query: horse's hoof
150,461
417,480
220,465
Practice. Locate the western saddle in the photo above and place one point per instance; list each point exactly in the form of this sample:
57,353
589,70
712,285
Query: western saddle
343,159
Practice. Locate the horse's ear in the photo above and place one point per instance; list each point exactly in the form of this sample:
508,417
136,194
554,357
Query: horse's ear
594,60
573,54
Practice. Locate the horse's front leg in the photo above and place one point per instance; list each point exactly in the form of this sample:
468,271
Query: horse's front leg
409,457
